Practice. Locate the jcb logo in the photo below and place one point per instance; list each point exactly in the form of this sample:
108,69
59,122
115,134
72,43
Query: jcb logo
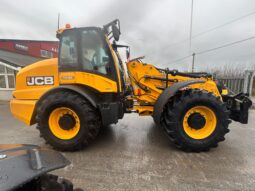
40,80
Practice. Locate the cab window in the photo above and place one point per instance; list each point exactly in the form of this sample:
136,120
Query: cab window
69,54
95,55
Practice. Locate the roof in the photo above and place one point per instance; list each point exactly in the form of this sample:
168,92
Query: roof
16,59
20,40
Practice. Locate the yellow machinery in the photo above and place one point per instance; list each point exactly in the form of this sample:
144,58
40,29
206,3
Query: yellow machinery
71,98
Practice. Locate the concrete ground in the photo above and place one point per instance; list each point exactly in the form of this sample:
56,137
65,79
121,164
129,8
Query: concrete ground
253,102
135,155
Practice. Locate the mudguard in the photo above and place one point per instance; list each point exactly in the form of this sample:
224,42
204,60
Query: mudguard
82,91
115,108
168,93
19,164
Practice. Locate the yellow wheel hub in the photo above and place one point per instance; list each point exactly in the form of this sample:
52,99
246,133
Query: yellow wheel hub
207,124
64,123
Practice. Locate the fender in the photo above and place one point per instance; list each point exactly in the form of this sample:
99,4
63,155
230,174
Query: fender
82,91
114,108
166,94
77,89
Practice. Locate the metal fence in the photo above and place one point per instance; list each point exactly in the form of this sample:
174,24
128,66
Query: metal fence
239,84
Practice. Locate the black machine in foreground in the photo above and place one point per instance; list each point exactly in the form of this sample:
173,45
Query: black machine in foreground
26,167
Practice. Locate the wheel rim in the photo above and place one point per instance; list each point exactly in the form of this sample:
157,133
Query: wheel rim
208,125
57,126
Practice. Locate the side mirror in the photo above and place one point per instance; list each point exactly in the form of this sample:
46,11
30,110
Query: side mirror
115,32
115,26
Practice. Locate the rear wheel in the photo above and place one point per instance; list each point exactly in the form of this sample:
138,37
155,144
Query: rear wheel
195,120
67,121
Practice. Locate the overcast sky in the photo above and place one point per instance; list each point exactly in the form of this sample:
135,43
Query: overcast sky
152,28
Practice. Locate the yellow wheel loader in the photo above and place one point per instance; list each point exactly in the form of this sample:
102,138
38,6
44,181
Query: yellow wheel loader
71,98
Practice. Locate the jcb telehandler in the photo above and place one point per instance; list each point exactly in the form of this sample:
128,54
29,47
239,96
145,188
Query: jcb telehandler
71,98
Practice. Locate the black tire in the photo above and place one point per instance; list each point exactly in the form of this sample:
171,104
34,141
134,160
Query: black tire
90,121
174,112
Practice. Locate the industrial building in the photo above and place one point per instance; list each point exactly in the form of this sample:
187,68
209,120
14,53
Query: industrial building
15,54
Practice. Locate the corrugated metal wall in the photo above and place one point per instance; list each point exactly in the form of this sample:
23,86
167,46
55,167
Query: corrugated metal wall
239,84
234,84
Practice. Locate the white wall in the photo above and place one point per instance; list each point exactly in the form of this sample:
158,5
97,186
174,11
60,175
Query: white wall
5,95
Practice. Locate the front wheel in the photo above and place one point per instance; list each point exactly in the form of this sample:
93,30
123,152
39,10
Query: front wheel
195,120
67,121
